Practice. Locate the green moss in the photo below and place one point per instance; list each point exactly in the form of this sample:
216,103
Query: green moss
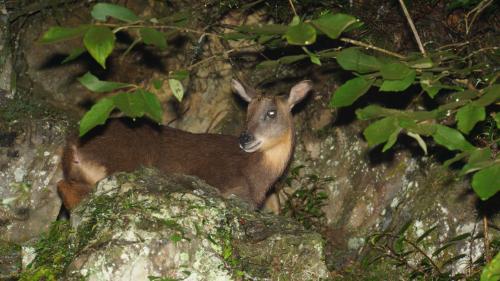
365,270
10,260
54,251
26,107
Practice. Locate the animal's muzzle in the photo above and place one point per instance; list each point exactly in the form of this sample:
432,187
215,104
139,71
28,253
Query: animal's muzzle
245,139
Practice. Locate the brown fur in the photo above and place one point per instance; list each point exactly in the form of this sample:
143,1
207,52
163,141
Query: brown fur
122,145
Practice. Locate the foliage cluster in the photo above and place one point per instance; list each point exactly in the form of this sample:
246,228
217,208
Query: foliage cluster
469,98
305,204
426,261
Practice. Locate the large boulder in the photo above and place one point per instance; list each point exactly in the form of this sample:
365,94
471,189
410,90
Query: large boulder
144,224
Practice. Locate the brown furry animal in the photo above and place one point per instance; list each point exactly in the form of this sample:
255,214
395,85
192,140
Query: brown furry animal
246,166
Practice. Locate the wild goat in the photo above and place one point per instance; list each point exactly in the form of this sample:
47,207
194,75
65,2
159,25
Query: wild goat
246,170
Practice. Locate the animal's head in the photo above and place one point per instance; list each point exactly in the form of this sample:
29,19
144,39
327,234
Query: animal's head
269,119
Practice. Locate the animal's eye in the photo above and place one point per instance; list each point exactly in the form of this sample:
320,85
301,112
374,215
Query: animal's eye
271,113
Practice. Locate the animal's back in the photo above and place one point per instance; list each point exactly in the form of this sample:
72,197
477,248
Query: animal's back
122,145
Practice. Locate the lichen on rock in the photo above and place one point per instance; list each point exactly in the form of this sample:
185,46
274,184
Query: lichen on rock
144,224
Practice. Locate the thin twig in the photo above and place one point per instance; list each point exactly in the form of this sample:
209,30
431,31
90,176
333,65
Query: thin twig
368,46
480,51
416,247
293,7
221,54
476,11
453,45
182,29
413,29
487,255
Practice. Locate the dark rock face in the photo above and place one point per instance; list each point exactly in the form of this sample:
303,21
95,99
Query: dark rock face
29,170
146,224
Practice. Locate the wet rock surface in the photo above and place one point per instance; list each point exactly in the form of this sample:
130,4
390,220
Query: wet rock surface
145,224
29,169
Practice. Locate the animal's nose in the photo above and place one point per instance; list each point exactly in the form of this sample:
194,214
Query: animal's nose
245,138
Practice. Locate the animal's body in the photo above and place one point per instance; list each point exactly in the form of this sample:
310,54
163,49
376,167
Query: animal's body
246,166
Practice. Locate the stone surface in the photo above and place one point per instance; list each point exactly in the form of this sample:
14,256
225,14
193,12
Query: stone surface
373,192
29,170
145,224
5,54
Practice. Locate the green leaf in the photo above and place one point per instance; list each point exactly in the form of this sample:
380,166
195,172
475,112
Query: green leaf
291,59
497,119
138,103
269,29
355,60
380,131
457,158
312,56
315,59
157,83
425,234
301,34
131,104
350,91
398,85
478,159
295,21
175,238
99,41
468,116
268,64
237,36
429,84
333,25
153,37
177,88
399,245
282,60
421,63
179,74
451,139
423,128
95,85
419,140
97,115
152,106
58,33
392,140
491,95
491,271
376,111
395,71
486,182
75,53
101,11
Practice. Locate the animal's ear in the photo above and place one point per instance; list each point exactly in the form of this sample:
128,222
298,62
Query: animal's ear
245,94
299,92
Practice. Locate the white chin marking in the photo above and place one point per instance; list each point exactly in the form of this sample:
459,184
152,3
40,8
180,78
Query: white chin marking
252,148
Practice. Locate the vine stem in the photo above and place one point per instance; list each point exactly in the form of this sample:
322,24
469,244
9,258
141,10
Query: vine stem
368,46
416,247
120,27
221,54
480,51
293,7
412,26
487,255
476,11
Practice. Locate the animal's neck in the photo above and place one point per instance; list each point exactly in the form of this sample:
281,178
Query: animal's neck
269,165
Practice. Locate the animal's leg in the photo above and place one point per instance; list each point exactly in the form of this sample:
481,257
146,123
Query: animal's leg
272,203
72,193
